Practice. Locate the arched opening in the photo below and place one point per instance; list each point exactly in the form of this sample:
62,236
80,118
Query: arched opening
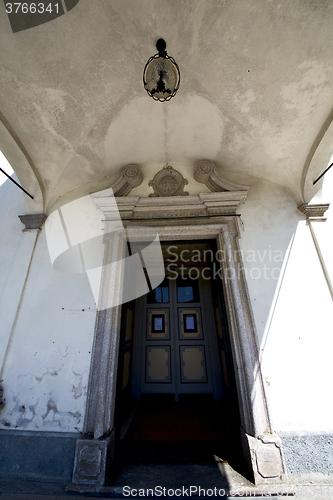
5,167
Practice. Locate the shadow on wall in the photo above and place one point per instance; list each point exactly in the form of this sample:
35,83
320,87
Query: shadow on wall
297,342
270,218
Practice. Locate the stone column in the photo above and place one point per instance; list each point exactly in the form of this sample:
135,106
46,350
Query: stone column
262,448
95,448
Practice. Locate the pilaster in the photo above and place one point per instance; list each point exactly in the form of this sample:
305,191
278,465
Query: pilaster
261,447
95,449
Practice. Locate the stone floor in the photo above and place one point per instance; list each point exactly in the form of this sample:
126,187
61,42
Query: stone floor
219,481
174,470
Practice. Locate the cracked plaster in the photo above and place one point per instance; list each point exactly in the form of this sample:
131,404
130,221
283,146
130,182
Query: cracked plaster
45,371
36,403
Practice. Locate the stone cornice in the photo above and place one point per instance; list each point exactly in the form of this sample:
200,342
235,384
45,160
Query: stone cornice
201,205
314,211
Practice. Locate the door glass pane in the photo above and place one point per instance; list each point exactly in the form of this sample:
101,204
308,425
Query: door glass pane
187,290
190,322
158,323
159,295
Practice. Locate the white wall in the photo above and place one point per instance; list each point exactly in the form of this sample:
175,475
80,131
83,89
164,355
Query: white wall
46,366
15,254
293,313
270,218
298,350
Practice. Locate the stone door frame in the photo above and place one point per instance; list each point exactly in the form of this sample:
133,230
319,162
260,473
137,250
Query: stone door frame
196,217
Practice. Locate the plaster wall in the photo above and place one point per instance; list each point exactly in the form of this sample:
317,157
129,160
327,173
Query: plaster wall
46,366
47,348
269,221
299,343
72,89
16,250
292,307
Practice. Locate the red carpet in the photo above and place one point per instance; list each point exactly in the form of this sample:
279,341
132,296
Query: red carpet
160,418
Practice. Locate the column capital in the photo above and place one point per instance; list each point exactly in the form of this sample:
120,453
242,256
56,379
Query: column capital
32,221
314,211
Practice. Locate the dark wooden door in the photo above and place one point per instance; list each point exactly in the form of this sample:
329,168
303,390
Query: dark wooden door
175,343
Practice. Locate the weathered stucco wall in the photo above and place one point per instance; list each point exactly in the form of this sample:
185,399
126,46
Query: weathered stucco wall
50,325
46,366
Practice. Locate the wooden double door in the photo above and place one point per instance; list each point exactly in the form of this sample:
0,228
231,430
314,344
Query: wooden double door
175,347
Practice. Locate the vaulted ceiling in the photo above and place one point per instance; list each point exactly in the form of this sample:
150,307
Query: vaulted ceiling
255,97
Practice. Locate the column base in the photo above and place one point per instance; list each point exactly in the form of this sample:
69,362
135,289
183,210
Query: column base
91,460
265,458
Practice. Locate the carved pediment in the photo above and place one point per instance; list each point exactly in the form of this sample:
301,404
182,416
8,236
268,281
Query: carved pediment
205,171
168,203
168,183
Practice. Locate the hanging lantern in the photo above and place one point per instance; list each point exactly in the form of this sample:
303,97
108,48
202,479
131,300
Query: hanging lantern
161,76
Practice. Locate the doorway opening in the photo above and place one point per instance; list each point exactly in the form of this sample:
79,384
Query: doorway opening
176,390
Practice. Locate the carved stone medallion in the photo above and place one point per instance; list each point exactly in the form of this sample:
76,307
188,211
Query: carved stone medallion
168,182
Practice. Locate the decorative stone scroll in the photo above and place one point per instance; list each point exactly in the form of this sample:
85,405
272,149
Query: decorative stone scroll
205,172
130,177
168,182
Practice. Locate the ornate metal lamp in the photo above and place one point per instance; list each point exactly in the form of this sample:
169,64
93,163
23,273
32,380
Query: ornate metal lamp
161,76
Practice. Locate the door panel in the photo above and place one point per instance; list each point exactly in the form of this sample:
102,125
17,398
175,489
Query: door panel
158,364
193,364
